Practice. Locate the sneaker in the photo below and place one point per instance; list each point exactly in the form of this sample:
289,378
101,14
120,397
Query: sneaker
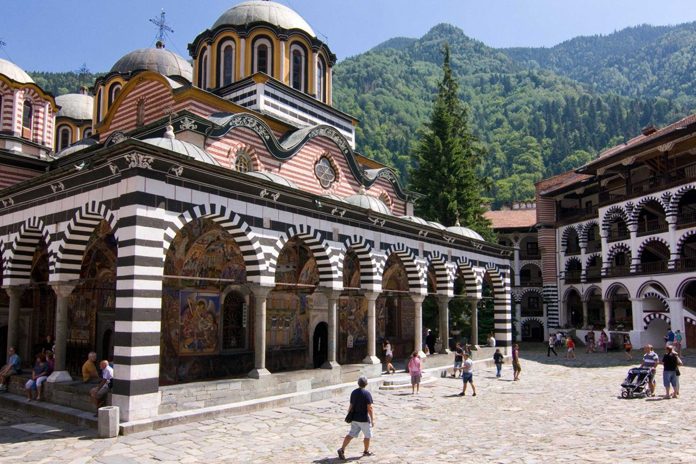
368,453
462,394
474,394
341,454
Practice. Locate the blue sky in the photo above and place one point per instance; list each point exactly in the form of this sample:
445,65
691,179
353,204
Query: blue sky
60,35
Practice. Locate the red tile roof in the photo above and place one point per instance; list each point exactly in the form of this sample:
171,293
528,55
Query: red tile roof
512,218
559,181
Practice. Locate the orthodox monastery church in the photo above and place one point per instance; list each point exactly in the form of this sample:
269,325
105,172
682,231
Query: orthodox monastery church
207,217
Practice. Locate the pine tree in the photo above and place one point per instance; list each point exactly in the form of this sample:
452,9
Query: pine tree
448,159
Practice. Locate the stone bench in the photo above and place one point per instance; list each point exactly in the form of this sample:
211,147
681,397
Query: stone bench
74,394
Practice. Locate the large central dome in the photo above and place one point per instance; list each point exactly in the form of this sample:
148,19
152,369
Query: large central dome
255,11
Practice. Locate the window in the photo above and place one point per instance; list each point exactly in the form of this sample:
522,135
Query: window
321,79
532,248
533,302
227,68
27,119
263,56
87,133
324,172
234,322
114,90
620,259
298,66
243,162
64,137
203,69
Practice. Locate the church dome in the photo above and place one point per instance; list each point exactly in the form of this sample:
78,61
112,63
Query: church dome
159,60
363,200
14,72
79,146
169,142
272,177
75,105
416,219
465,231
261,11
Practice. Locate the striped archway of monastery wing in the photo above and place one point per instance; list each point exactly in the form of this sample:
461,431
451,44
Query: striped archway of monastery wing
351,270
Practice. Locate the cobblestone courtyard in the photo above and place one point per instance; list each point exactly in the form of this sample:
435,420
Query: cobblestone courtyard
560,410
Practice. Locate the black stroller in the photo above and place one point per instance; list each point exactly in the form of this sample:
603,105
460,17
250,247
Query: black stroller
636,383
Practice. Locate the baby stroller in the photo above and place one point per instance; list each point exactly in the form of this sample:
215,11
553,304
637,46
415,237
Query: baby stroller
636,383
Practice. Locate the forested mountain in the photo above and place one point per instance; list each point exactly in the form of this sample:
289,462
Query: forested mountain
533,122
538,111
640,61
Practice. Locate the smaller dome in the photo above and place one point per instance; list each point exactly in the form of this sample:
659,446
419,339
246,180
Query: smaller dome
272,177
169,142
75,105
465,231
158,60
77,146
14,72
256,11
334,197
437,225
363,200
416,219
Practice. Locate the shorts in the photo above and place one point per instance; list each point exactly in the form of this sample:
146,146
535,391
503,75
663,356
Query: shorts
516,366
670,378
457,364
357,427
388,358
467,377
35,384
415,379
570,350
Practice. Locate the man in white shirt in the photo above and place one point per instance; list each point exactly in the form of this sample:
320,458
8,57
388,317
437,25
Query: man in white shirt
100,392
467,375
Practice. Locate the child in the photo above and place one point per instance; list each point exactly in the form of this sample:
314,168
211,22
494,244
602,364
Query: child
498,360
570,344
414,368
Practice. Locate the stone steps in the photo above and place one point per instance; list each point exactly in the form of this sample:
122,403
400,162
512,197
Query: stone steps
50,410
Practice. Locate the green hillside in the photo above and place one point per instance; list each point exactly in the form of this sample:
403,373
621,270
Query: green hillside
534,122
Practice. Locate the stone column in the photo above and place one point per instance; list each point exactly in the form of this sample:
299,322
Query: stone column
443,313
332,306
242,58
518,321
516,263
371,357
637,320
674,253
15,294
418,322
474,321
635,259
585,321
676,315
260,298
607,314
63,292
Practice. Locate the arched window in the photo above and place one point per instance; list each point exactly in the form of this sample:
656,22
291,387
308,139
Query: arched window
203,69
64,137
87,133
113,93
242,162
263,56
298,67
227,65
321,79
99,103
234,322
27,119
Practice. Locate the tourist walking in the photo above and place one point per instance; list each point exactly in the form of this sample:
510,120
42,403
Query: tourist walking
602,342
678,342
670,374
13,367
669,338
498,361
467,375
650,361
516,366
590,342
628,347
570,347
414,368
388,356
430,342
550,348
362,418
458,358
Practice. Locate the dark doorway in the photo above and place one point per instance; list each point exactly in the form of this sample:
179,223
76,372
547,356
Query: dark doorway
532,331
320,344
3,345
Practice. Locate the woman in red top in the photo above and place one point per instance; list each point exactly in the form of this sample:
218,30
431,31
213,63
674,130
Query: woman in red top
570,344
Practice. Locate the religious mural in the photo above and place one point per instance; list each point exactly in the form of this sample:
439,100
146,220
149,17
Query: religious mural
197,326
395,309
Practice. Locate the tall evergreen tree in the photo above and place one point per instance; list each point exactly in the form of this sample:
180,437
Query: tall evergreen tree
448,158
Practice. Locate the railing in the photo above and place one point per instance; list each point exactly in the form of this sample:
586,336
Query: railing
686,219
655,183
685,264
593,247
532,312
571,250
567,215
617,235
653,226
573,277
593,274
531,283
652,267
527,256
618,271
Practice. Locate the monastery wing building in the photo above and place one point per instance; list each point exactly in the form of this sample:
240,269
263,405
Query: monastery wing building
213,221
